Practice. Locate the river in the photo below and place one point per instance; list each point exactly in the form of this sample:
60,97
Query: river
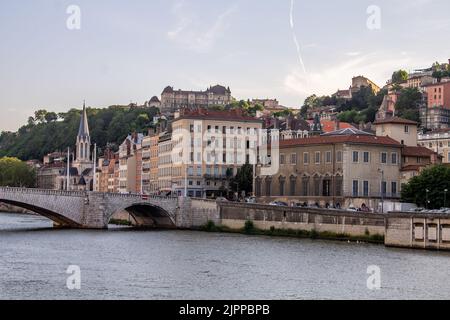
123,263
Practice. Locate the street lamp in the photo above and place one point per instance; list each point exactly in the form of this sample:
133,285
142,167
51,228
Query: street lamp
427,201
445,198
382,191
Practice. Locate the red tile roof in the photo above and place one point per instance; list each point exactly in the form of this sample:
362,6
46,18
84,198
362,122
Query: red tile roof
396,120
230,115
351,139
413,167
417,152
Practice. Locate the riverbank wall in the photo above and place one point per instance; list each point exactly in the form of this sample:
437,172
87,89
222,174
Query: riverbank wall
340,223
418,231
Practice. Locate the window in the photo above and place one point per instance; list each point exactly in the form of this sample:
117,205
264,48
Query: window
366,157
305,187
191,128
294,158
394,157
293,183
268,187
406,129
355,156
328,157
282,184
306,158
383,188
366,188
339,156
282,159
355,188
317,157
383,157
394,188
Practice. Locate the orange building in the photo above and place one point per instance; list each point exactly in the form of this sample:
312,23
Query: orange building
438,95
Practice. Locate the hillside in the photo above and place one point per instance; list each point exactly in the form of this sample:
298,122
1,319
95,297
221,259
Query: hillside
47,132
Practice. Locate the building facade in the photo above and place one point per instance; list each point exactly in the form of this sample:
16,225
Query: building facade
173,100
340,169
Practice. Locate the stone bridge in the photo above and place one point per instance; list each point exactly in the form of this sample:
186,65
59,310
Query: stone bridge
91,210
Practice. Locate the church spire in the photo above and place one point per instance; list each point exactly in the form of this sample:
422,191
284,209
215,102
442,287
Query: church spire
83,131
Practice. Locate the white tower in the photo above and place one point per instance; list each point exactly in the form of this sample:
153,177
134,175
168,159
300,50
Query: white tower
83,145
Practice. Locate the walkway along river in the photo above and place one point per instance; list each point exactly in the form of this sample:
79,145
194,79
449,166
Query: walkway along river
123,263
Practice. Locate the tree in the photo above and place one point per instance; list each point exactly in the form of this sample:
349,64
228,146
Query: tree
435,180
39,116
243,181
399,76
50,117
15,173
408,103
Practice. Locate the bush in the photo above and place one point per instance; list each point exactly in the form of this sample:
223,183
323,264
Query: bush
249,227
210,226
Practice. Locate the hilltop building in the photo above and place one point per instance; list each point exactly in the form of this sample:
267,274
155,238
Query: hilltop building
173,100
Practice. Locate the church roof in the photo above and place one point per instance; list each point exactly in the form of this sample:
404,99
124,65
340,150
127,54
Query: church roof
83,131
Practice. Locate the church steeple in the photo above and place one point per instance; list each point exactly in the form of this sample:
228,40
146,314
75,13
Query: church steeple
83,131
83,138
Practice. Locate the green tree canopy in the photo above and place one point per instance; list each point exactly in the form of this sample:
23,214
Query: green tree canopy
399,76
243,179
436,180
15,173
408,104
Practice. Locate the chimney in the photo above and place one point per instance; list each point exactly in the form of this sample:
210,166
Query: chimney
337,125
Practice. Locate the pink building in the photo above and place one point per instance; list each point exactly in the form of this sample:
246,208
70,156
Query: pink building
438,95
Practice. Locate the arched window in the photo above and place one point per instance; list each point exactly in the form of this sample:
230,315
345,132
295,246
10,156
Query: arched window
81,151
86,153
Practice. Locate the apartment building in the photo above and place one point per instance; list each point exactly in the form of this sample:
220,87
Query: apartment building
343,168
212,146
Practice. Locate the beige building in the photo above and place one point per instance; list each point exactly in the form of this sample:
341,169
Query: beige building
342,169
402,130
165,182
217,144
361,81
129,164
172,100
437,141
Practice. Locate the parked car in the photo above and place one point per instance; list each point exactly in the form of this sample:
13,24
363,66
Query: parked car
352,209
279,204
250,200
222,199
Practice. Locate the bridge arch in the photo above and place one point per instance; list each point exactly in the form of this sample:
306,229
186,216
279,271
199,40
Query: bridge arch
147,215
59,219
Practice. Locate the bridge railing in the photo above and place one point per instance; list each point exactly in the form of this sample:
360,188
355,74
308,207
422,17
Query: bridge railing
49,192
43,192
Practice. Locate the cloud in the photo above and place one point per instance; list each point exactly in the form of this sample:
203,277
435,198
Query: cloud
194,35
330,78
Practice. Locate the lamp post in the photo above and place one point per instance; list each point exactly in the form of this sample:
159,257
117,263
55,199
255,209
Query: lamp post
382,191
445,198
427,201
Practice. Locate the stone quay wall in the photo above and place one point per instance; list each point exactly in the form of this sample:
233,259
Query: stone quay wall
234,216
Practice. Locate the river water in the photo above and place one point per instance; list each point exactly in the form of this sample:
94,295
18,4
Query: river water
129,264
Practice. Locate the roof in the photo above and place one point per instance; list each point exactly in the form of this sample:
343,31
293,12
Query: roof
230,115
330,125
417,152
218,89
83,131
350,139
395,120
154,99
168,89
347,132
413,167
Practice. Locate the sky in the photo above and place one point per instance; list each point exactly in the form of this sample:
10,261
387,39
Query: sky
129,50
